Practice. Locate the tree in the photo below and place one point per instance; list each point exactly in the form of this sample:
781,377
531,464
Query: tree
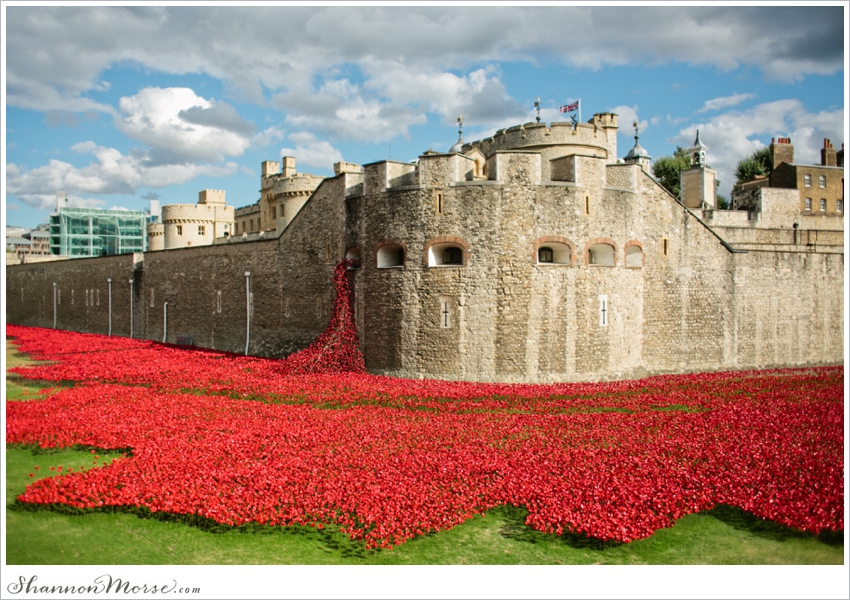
755,165
667,169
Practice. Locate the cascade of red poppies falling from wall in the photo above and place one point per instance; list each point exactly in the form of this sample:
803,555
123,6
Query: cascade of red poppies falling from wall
337,349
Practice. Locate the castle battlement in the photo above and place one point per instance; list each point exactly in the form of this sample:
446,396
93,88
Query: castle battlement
599,135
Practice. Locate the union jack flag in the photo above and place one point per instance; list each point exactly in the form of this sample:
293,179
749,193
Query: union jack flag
569,107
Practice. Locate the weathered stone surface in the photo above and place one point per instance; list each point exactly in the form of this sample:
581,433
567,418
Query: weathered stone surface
688,298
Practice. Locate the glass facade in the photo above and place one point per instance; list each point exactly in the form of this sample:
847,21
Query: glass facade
95,232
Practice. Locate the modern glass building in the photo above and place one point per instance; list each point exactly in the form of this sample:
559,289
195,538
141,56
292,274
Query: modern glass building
95,232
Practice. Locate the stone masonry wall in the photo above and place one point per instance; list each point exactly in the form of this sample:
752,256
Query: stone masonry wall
687,303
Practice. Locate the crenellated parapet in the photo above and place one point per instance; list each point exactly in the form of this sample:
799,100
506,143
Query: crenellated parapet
597,137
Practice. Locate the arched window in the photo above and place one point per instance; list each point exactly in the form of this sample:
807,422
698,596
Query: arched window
634,255
353,254
601,255
446,252
390,255
553,250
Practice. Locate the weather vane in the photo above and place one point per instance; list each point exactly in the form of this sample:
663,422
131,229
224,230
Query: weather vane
537,107
460,125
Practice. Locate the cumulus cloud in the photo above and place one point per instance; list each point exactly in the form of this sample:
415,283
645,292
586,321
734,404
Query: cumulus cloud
628,116
111,172
180,126
724,102
311,151
737,134
57,55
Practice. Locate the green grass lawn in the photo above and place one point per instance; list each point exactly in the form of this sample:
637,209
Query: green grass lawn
723,536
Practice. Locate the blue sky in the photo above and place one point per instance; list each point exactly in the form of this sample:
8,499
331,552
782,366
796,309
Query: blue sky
119,105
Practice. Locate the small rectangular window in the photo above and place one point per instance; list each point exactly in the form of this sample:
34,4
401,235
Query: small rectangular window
179,230
664,247
808,204
822,181
201,230
218,301
151,298
839,206
439,202
807,180
823,204
274,213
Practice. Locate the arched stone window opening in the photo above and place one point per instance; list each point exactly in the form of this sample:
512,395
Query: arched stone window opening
390,255
601,255
634,256
554,253
446,254
353,254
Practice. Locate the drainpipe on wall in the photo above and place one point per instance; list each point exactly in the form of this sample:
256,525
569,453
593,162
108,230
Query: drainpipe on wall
54,305
109,281
164,321
248,306
131,309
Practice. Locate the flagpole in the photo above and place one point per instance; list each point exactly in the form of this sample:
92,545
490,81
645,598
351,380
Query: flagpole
579,110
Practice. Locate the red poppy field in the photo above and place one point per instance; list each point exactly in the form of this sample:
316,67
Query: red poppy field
239,439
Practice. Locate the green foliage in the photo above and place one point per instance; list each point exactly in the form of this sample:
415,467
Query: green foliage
722,202
667,169
757,164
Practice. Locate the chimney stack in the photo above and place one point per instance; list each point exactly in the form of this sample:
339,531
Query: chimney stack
781,151
828,156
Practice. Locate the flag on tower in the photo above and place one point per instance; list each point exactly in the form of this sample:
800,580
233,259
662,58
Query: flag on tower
569,107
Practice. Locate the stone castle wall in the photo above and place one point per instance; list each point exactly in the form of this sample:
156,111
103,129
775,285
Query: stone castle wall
684,299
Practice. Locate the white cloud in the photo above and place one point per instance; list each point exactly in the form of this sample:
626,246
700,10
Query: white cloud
724,102
181,126
627,117
109,173
57,55
311,151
